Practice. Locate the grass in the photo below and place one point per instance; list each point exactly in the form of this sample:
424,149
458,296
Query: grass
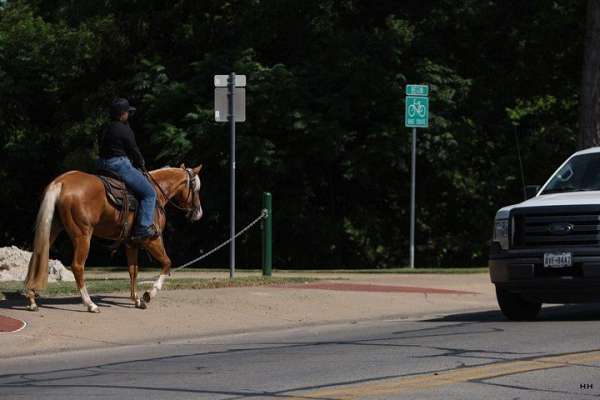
122,285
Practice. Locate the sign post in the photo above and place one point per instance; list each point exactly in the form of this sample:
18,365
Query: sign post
416,115
230,106
267,254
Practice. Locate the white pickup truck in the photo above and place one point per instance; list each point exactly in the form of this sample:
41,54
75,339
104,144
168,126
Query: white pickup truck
547,249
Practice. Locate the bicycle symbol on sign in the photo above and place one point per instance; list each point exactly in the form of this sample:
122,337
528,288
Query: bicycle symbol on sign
416,108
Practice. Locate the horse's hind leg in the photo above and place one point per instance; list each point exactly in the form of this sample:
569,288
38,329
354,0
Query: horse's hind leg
81,248
132,262
157,250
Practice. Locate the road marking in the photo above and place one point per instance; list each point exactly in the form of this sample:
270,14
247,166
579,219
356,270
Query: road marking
460,375
11,325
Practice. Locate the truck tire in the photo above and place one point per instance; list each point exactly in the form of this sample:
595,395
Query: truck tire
515,307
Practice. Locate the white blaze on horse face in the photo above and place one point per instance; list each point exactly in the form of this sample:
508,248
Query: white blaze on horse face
196,184
197,214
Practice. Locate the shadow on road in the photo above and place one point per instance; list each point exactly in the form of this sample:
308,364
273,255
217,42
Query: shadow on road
16,301
564,312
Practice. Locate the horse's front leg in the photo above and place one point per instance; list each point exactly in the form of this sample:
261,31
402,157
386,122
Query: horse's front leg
132,262
157,250
30,295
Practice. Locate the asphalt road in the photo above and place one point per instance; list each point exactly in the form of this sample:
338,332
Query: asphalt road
462,356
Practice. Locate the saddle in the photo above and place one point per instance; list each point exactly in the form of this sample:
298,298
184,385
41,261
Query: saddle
122,199
117,192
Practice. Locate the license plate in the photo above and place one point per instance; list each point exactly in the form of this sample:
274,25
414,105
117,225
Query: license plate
558,260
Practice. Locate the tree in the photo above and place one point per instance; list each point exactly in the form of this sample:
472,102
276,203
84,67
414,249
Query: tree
325,131
590,83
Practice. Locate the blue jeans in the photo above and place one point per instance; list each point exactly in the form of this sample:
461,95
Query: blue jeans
139,185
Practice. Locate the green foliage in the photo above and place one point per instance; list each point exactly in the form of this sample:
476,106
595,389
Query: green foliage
325,103
55,289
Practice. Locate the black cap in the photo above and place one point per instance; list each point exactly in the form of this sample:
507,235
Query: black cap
120,105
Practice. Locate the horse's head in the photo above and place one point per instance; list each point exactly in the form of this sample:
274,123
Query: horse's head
188,197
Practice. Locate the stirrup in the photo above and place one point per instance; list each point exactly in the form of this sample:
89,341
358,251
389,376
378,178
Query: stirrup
151,233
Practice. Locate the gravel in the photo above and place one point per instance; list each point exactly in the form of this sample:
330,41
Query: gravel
14,263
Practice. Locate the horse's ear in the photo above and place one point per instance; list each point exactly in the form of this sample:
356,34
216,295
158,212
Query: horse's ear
197,169
182,166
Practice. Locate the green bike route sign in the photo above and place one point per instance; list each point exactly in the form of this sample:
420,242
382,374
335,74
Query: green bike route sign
416,113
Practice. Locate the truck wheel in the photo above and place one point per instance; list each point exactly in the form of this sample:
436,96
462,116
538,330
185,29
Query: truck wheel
515,307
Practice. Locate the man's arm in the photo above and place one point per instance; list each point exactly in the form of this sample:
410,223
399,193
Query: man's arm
133,151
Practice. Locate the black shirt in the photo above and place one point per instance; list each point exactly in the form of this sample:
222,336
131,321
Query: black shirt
117,140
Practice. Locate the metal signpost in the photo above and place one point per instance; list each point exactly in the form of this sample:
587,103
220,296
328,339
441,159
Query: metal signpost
230,106
267,241
416,115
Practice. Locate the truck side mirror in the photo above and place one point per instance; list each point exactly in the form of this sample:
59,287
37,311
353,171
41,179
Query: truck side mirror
531,190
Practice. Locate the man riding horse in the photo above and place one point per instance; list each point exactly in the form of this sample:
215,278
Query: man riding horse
119,154
77,203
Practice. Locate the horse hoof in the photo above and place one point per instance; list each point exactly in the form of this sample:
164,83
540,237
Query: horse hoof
32,307
147,297
141,305
93,308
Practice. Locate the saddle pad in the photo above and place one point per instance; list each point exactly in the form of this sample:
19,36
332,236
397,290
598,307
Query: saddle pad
115,190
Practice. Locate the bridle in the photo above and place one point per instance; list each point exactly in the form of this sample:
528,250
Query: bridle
190,184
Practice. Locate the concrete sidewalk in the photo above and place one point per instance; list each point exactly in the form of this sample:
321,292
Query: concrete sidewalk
63,324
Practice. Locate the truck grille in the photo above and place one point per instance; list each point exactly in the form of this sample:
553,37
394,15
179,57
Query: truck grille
549,227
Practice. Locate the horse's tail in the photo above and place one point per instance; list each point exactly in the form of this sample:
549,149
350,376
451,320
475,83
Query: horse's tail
37,274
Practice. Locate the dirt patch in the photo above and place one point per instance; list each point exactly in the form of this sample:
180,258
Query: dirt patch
14,263
356,287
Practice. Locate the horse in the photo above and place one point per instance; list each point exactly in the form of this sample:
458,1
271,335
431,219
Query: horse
76,202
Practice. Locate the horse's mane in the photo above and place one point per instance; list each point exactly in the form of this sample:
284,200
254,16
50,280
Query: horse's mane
164,168
157,172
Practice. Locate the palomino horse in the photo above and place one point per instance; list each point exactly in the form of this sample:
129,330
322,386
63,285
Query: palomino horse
83,211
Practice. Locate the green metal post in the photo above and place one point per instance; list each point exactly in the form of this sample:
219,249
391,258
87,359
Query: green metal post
267,255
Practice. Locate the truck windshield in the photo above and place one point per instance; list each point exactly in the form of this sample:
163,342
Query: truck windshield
581,173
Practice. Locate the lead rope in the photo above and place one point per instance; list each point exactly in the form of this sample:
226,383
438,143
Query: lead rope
263,214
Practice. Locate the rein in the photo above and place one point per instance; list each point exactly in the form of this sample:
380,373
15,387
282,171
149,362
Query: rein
168,200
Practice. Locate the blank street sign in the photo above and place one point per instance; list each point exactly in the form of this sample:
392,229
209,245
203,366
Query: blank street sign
417,90
221,80
221,104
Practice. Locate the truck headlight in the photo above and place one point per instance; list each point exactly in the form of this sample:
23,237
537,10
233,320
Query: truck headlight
501,233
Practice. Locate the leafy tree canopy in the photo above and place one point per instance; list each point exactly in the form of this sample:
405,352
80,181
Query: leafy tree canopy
325,114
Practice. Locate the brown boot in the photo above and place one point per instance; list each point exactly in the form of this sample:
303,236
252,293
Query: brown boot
148,233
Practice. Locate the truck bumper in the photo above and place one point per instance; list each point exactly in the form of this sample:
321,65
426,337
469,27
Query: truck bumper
523,272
